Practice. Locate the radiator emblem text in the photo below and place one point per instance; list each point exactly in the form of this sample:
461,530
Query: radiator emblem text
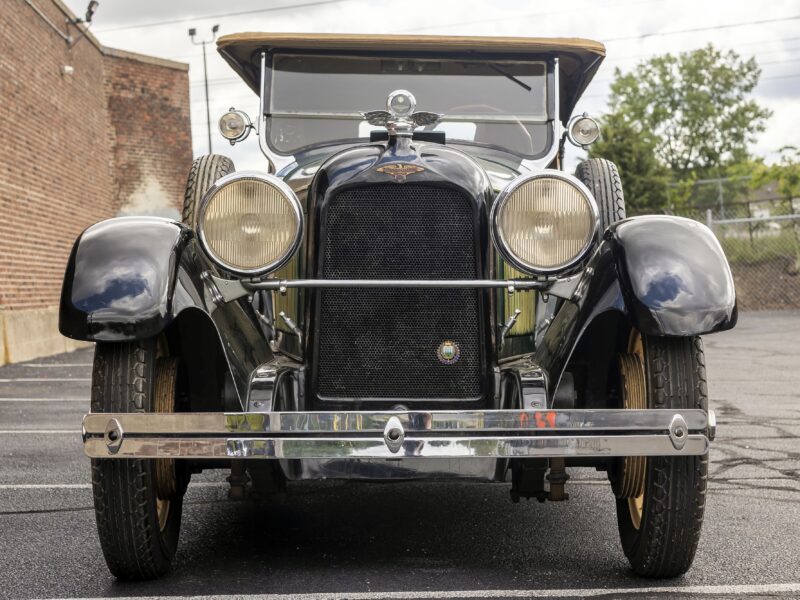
448,352
399,170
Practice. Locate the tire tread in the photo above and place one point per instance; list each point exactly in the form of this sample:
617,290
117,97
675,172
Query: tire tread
602,178
122,488
205,170
676,486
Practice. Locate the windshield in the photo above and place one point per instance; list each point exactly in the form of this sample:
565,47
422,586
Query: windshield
317,99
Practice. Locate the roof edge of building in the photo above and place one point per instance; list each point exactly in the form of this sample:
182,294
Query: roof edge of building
145,58
115,52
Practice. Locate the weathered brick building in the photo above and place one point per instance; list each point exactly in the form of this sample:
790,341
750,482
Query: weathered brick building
86,133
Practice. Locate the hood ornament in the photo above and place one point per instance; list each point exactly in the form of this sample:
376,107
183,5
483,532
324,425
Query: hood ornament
400,118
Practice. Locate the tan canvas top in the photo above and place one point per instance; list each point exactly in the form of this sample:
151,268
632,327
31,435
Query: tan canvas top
578,58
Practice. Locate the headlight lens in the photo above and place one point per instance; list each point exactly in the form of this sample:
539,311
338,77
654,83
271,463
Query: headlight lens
234,125
250,224
583,131
544,223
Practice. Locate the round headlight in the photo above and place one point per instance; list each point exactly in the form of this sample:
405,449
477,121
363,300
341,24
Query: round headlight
544,223
250,223
583,130
234,125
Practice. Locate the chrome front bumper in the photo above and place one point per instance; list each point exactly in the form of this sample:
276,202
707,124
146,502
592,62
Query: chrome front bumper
393,435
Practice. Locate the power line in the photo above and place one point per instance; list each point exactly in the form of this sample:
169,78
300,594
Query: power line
232,80
790,76
516,17
615,59
608,60
697,29
220,16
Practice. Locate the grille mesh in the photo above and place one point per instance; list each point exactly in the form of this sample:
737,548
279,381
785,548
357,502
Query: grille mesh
383,343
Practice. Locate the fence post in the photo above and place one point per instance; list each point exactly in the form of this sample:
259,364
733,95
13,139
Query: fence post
709,219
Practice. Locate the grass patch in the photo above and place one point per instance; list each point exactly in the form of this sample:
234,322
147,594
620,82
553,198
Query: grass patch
763,246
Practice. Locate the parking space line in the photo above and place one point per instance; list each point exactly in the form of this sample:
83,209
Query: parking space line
723,590
44,399
87,486
47,431
36,379
45,486
52,365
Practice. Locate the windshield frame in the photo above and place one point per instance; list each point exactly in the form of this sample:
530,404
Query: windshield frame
280,159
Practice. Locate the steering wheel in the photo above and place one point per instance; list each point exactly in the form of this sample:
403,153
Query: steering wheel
464,108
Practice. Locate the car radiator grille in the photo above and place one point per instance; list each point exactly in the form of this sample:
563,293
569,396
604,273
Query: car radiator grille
382,343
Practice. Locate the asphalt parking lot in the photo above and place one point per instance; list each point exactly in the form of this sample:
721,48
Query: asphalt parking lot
414,540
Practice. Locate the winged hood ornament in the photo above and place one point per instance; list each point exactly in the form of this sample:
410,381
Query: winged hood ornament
400,118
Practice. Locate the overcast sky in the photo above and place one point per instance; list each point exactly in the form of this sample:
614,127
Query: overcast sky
632,30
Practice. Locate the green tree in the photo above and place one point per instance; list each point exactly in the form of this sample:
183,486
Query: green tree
644,178
786,173
690,111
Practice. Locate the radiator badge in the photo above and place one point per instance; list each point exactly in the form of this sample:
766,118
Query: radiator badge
399,170
448,352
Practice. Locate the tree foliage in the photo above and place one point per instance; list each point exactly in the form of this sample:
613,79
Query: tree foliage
645,179
690,114
785,173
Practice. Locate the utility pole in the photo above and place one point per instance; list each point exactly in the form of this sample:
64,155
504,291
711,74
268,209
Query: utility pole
192,33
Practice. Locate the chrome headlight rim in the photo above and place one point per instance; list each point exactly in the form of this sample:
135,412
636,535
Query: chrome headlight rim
248,125
571,124
294,203
499,240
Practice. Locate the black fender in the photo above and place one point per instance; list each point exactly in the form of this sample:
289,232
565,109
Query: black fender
674,275
129,278
667,275
120,279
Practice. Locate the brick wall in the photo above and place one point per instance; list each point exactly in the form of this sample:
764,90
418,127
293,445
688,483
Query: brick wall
113,137
148,105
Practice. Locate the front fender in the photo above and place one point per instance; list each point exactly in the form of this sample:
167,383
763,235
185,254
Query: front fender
120,279
129,278
666,275
674,276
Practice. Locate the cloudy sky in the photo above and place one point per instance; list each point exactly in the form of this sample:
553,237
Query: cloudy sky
631,29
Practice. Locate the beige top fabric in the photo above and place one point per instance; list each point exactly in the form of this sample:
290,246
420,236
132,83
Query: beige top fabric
578,58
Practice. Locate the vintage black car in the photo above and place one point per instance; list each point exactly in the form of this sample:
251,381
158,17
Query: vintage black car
412,288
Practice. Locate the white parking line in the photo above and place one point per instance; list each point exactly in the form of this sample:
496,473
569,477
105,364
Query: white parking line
724,590
53,365
34,431
45,486
87,486
33,379
44,399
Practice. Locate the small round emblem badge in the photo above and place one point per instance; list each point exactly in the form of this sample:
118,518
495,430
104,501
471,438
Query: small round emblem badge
448,352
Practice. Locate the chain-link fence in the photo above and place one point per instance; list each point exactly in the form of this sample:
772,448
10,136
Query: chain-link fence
761,238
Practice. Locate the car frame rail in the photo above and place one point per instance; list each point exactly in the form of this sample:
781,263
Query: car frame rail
400,434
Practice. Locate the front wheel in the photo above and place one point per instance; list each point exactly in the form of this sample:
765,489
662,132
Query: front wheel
137,502
660,500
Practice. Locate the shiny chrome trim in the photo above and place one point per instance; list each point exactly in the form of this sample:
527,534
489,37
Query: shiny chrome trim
511,284
248,125
442,421
678,432
269,180
412,447
261,133
533,164
712,425
390,434
497,236
572,122
232,289
507,326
